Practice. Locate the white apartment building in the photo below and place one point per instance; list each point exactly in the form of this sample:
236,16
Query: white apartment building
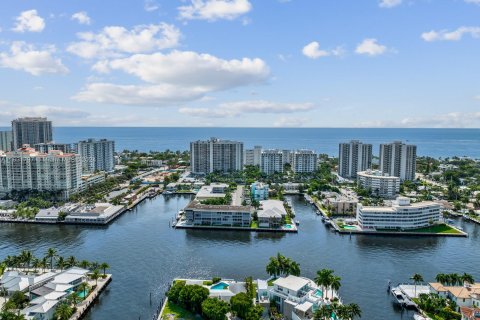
303,161
272,161
6,141
398,159
51,146
401,215
31,130
216,155
354,156
379,184
253,157
97,155
26,169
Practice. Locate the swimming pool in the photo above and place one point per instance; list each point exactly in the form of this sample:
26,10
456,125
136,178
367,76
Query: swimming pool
288,226
318,293
349,227
82,294
219,286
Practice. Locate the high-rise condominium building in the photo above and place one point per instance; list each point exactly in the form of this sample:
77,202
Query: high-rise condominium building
31,131
51,146
27,169
354,156
303,161
216,155
398,159
97,155
6,141
253,157
379,184
272,161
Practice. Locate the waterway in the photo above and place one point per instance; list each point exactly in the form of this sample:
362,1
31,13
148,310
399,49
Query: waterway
145,254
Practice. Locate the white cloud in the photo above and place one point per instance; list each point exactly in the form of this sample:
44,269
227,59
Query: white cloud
148,95
212,10
389,3
473,1
115,40
29,59
173,78
29,21
313,51
232,109
151,5
456,35
291,122
82,18
446,120
12,110
370,47
188,68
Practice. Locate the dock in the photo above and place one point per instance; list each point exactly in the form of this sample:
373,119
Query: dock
85,305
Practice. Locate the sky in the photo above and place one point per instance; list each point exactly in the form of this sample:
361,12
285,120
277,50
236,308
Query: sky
242,63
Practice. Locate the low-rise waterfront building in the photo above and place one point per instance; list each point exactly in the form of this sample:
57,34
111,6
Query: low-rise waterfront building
50,215
467,295
340,204
259,191
214,190
89,180
198,214
379,184
401,215
98,213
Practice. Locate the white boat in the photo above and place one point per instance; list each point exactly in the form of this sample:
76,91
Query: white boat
398,295
297,222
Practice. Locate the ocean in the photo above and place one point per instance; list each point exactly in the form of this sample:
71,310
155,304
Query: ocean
431,142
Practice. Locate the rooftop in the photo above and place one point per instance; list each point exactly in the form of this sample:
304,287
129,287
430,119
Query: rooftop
292,283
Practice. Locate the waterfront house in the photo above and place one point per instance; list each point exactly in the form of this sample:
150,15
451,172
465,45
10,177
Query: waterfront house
467,295
98,213
224,289
271,214
470,313
215,190
297,298
49,215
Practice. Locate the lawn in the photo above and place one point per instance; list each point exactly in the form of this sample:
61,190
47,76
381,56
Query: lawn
177,312
254,224
441,228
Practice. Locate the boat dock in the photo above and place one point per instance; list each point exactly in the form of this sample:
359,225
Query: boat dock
405,293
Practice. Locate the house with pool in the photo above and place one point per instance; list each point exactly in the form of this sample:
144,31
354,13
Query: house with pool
224,290
297,298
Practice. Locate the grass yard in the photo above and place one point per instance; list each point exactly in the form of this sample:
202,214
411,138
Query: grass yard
441,228
172,311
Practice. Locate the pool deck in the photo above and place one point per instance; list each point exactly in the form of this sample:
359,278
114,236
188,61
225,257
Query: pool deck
85,305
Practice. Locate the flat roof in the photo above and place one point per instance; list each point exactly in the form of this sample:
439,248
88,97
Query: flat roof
293,283
196,205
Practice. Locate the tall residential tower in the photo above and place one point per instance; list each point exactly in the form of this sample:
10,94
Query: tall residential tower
31,131
354,156
216,155
398,159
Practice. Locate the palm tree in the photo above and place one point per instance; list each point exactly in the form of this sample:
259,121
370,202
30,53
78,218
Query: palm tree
73,298
95,275
84,264
61,263
417,278
36,263
323,279
71,261
354,311
294,268
51,253
104,266
273,267
342,312
63,312
83,287
441,278
322,313
26,256
467,278
335,283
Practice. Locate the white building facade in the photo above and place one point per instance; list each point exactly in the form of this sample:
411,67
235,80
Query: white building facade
26,169
401,215
97,155
216,155
379,184
354,156
398,159
304,161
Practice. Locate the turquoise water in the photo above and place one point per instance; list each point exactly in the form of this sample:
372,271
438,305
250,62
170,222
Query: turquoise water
318,293
288,226
82,294
349,227
219,286
431,142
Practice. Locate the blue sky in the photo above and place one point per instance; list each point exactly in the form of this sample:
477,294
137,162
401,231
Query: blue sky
247,63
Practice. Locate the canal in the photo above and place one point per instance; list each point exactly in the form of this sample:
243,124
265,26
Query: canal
145,254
